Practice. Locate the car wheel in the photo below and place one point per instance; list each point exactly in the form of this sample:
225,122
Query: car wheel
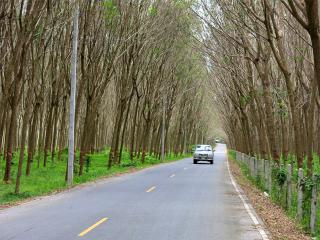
195,161
211,162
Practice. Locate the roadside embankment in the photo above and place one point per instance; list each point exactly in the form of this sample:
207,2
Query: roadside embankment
277,222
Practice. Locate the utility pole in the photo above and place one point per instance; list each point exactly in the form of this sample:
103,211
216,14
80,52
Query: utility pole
163,128
73,93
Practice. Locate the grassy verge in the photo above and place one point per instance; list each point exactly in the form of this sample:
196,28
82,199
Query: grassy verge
50,179
278,221
278,193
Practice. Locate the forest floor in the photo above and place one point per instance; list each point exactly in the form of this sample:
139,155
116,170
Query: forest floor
51,179
280,226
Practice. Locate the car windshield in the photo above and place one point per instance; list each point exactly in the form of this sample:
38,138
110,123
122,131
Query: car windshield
203,148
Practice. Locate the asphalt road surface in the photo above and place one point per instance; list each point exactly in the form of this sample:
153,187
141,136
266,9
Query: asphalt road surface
176,201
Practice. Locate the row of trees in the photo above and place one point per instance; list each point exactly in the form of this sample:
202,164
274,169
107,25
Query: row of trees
138,75
264,60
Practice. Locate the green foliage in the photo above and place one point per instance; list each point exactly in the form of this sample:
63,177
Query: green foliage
38,33
244,168
283,109
156,51
298,58
244,100
182,4
278,192
226,60
281,175
128,164
307,184
111,10
232,154
152,11
259,181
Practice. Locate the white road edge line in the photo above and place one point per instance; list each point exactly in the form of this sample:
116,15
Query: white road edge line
248,208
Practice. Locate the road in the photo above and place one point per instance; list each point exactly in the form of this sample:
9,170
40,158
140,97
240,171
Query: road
175,201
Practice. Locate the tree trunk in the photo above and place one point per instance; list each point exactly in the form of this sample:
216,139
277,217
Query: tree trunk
145,138
9,153
32,138
310,128
48,135
61,141
55,122
271,130
116,135
124,127
2,127
133,131
88,128
22,147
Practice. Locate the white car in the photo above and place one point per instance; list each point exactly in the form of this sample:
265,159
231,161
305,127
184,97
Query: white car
203,153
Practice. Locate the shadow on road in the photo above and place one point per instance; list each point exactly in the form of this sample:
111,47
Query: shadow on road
202,163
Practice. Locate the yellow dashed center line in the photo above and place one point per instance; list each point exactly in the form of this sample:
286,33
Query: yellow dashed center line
151,189
92,227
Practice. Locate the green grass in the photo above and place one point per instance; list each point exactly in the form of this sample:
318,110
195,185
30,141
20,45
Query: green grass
278,194
46,180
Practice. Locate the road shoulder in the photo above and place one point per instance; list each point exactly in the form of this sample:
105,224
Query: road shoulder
274,218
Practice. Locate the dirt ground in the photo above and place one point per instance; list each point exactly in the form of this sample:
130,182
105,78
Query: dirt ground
275,219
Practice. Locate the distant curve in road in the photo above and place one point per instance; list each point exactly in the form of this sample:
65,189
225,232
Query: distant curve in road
175,201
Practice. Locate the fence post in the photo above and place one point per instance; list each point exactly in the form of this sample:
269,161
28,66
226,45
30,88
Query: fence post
256,167
247,161
289,187
300,194
313,204
262,169
265,179
269,177
252,166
